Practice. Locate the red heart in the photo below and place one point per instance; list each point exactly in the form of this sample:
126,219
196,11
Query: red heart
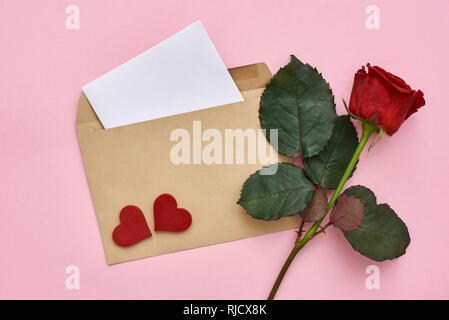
132,228
167,216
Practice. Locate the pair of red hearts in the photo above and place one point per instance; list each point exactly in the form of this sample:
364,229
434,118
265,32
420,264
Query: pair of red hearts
167,217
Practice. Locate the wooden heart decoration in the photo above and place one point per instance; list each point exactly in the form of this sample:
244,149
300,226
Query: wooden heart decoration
167,215
132,228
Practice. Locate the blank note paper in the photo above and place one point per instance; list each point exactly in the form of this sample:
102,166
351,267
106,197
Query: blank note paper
181,74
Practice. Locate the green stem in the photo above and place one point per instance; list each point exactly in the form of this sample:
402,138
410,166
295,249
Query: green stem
299,244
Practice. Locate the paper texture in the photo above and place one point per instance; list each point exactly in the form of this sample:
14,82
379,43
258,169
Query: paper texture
131,165
184,73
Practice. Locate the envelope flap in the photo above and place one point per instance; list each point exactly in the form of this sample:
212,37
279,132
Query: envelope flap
253,76
247,77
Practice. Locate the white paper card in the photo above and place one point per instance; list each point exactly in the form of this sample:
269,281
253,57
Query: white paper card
181,74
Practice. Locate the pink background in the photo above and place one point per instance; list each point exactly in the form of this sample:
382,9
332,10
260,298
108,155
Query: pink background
47,218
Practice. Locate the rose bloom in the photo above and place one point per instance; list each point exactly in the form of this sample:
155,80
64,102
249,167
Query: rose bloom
383,99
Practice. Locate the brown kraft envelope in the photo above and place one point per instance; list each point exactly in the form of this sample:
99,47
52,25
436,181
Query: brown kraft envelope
130,165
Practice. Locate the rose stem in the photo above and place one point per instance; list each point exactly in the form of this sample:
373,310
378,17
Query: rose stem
299,244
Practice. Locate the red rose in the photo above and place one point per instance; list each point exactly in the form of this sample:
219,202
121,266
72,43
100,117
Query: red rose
383,99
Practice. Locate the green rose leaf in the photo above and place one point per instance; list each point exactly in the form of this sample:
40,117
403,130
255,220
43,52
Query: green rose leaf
316,209
366,195
382,235
299,103
271,197
327,168
347,213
